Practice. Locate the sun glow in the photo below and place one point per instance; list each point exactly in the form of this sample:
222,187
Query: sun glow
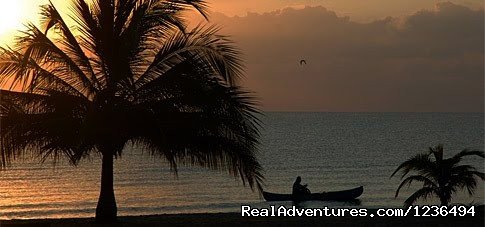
10,15
13,15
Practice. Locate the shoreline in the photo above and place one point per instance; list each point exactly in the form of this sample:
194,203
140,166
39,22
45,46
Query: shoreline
235,219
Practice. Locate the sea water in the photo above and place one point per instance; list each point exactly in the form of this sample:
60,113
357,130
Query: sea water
330,151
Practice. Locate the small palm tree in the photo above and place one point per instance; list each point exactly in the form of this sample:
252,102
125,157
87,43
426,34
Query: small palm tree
127,72
440,177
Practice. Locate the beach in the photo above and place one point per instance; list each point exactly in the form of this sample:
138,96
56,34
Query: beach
235,219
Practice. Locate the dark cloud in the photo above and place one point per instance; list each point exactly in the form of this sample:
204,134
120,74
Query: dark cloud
428,61
358,10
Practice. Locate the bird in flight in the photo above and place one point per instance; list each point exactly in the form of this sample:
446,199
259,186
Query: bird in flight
302,62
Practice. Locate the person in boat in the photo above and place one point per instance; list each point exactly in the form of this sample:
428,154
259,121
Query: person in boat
299,189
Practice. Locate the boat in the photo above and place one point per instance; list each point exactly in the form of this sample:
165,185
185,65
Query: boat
345,195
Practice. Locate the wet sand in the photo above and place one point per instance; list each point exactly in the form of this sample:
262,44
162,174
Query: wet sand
235,219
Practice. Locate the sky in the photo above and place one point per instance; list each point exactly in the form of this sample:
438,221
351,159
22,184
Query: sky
358,10
362,56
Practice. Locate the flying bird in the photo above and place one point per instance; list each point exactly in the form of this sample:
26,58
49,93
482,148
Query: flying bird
302,62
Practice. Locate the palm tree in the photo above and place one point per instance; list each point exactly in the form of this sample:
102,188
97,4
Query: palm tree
440,177
128,72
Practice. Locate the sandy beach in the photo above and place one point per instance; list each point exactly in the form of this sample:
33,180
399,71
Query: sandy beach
235,219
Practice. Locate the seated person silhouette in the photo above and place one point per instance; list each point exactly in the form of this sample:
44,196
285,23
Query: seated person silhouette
300,190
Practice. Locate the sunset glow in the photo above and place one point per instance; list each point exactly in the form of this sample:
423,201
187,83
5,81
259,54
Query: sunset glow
10,16
13,15
332,35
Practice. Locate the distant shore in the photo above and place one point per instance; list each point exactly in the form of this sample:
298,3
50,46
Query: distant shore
235,219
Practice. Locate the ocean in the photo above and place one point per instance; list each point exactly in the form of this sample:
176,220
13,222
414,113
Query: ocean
330,151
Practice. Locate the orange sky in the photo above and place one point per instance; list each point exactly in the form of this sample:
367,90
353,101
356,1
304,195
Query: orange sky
15,12
427,58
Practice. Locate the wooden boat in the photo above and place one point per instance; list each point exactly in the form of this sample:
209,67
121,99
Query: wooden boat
336,195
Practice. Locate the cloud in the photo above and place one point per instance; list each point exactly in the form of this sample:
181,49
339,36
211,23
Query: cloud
358,10
431,60
241,7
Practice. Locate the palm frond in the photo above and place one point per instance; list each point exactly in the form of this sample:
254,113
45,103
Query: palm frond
443,177
426,182
52,18
437,152
204,122
46,125
30,76
40,48
422,193
202,44
200,5
149,25
457,158
466,178
420,162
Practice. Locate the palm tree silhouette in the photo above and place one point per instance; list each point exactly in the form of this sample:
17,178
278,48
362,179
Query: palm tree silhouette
440,177
127,72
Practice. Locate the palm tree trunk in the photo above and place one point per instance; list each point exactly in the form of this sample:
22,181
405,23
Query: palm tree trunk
106,209
444,201
443,198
